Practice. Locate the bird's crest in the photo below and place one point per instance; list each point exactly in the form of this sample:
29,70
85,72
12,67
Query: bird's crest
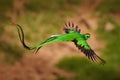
71,27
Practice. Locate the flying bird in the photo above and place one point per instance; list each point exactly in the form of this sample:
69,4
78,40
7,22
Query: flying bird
73,34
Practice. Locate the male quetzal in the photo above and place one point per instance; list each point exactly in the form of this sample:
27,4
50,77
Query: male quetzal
72,34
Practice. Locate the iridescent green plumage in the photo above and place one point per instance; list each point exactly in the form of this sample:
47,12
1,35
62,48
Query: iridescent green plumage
72,34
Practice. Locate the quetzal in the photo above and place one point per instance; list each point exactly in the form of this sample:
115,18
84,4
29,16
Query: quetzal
72,33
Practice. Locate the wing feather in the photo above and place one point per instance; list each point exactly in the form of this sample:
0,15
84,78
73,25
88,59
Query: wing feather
71,27
89,52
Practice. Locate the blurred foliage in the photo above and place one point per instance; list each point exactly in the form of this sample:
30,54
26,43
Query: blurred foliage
1,30
5,5
85,70
112,38
109,6
38,5
39,26
11,52
60,78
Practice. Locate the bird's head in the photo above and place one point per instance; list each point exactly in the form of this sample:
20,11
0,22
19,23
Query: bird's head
87,35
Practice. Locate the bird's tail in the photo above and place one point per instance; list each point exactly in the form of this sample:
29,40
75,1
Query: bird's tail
21,37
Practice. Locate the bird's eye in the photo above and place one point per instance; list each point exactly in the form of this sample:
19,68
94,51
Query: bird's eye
87,35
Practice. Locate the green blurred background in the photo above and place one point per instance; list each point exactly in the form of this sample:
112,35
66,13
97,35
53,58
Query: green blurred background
42,18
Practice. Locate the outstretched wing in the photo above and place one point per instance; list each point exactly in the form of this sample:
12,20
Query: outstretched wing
85,48
70,27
